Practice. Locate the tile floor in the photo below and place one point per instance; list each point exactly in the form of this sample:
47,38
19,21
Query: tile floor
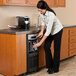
67,68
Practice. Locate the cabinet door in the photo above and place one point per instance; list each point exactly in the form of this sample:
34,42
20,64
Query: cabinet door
50,2
41,55
72,41
13,54
64,44
1,2
14,2
33,2
60,3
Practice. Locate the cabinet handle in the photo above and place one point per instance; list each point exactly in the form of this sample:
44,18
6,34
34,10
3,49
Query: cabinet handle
73,32
73,45
73,52
74,39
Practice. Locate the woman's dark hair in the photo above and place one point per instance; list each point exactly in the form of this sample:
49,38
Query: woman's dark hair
43,5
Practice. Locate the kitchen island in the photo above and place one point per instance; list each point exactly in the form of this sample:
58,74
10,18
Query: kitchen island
13,50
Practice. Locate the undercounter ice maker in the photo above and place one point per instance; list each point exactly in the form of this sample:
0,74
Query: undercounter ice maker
32,53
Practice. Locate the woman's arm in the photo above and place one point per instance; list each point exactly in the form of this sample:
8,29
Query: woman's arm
42,28
43,39
39,43
41,32
40,35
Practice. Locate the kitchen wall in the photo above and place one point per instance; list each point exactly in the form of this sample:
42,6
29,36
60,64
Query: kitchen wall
67,15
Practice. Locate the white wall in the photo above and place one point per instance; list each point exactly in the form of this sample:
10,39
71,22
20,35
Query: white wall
67,15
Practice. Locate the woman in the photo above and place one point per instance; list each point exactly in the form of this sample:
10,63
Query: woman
53,32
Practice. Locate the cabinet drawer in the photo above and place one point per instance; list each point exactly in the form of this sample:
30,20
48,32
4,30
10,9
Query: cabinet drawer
73,32
72,45
73,39
72,52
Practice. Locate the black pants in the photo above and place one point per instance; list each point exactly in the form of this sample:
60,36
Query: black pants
53,63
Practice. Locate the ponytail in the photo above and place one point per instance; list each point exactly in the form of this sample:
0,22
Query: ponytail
43,5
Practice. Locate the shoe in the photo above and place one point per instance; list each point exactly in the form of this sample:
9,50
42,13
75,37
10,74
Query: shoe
56,71
50,71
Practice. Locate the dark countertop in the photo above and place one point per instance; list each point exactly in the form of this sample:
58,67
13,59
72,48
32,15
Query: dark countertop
20,31
68,26
32,29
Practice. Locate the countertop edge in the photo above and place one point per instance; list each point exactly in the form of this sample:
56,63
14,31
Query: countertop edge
34,30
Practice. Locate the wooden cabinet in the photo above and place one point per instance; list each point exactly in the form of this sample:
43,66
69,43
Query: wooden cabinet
60,3
12,54
64,44
1,2
51,3
15,2
41,56
72,41
32,2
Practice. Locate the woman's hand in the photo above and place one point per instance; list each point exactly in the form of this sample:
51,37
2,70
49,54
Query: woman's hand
37,45
40,34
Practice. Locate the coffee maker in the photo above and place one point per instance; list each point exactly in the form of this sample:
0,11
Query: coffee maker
23,22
